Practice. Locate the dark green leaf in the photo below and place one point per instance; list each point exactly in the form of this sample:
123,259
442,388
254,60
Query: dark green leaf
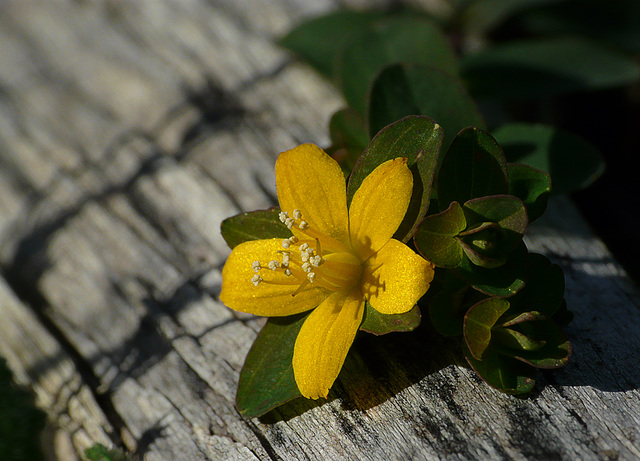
554,354
516,340
485,245
253,225
482,15
535,68
530,185
572,162
503,373
473,167
435,237
322,39
416,138
447,306
478,322
99,452
412,89
380,324
544,289
266,379
503,281
401,39
349,137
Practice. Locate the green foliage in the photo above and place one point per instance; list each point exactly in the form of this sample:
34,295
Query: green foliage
20,422
254,225
530,185
572,162
99,452
267,380
380,324
436,237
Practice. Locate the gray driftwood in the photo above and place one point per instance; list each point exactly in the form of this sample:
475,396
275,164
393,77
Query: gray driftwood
128,131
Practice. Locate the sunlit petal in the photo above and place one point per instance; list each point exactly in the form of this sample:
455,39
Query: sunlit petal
379,205
273,296
324,340
309,180
395,278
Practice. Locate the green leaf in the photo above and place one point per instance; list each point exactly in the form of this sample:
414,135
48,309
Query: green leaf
349,138
267,380
503,373
503,281
536,68
482,15
380,324
554,354
483,245
473,167
478,322
253,225
506,211
416,138
572,162
544,289
321,40
435,237
516,340
400,39
99,452
448,306
413,89
530,185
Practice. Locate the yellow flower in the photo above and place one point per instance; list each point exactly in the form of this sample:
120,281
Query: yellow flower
336,259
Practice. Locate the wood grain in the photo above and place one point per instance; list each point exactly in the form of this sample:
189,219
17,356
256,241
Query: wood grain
128,131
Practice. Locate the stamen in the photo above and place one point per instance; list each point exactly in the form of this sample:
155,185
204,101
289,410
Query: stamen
297,214
293,239
304,247
303,225
273,265
306,267
256,266
316,261
311,276
287,272
289,222
286,243
286,258
283,215
256,279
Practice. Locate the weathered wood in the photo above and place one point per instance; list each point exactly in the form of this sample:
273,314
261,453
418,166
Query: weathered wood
128,131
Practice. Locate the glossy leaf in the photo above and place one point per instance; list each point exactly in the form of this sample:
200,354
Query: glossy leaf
503,281
405,39
478,322
484,245
412,89
435,237
516,340
530,185
416,138
380,324
572,162
503,373
349,137
322,39
474,166
535,68
253,225
267,379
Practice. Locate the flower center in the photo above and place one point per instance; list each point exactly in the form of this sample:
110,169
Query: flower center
304,261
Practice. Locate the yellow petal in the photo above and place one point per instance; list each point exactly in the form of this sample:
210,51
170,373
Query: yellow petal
395,278
309,180
379,205
272,297
324,340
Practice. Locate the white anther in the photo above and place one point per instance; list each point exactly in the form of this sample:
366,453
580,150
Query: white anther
297,214
286,243
311,276
283,215
303,225
285,259
304,255
289,222
306,267
256,279
304,247
287,272
273,265
256,266
316,260
293,239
